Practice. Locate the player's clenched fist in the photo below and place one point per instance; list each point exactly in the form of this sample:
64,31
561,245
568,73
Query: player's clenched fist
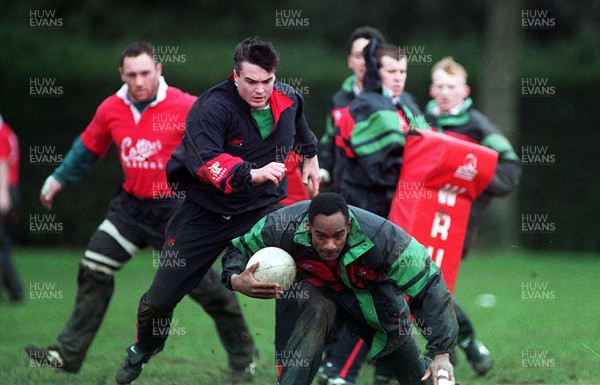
273,172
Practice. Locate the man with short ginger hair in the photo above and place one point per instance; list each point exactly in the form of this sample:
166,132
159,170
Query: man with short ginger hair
451,112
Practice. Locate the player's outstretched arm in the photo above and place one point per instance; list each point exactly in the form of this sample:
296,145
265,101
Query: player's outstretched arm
76,164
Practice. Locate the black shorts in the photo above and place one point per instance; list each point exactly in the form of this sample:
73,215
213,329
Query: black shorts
130,225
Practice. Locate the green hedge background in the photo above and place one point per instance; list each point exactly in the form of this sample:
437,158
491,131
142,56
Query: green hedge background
81,56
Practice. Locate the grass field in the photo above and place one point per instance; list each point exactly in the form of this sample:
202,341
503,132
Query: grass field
543,329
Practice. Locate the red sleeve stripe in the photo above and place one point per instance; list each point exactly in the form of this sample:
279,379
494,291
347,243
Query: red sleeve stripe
218,170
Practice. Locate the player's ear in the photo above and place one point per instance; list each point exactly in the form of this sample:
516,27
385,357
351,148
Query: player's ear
122,74
432,92
467,91
308,225
349,225
159,68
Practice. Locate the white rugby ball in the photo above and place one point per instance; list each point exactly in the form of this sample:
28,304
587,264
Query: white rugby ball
274,265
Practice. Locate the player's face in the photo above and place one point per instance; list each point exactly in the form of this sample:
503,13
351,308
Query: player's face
142,76
393,74
329,234
448,90
254,84
356,59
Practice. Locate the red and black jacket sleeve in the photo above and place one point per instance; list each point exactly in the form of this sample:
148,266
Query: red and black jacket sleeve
201,150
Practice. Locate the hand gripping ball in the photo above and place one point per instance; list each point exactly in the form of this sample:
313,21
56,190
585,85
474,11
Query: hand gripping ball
275,265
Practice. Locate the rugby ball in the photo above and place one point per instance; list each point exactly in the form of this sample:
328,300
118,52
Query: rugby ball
274,265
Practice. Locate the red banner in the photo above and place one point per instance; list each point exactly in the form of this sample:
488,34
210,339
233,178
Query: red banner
441,175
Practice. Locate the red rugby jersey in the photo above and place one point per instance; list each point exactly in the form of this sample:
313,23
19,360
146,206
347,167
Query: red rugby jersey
144,141
9,151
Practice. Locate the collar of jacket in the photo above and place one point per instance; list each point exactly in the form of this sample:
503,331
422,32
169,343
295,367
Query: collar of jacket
358,243
161,94
348,84
459,119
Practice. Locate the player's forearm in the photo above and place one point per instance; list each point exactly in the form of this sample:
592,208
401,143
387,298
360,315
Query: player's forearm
5,201
434,310
233,263
506,178
4,170
76,164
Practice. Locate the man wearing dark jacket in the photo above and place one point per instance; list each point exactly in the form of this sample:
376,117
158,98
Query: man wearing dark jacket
230,164
351,87
355,265
371,131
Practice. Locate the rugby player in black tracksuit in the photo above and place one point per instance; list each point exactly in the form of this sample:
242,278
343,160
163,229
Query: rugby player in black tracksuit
230,163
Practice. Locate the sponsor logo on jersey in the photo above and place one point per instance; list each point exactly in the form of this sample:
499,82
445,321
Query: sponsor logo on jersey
139,155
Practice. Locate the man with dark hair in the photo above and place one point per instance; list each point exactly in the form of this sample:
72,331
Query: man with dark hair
136,49
354,266
138,214
351,87
229,165
371,131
